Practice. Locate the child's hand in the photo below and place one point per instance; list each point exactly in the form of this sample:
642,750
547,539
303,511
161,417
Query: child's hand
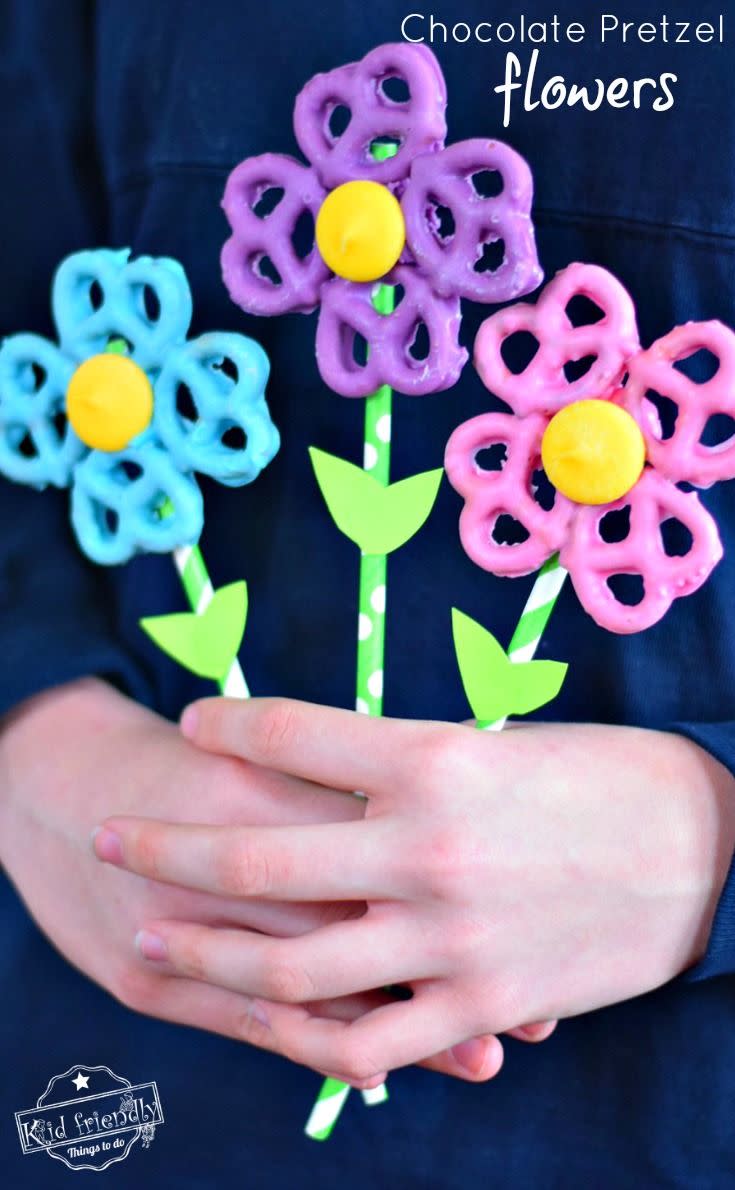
535,874
73,756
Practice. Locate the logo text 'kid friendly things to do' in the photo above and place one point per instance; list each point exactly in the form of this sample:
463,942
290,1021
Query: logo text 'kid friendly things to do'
90,1118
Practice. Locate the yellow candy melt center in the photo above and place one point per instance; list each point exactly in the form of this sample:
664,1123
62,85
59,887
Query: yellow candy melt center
109,401
360,231
593,452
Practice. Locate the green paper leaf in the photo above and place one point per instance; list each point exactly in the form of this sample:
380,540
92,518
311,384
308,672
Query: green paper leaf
206,643
496,686
378,517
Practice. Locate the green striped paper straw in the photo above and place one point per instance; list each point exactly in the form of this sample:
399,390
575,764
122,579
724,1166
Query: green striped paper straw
329,1103
189,561
197,585
534,618
198,588
194,575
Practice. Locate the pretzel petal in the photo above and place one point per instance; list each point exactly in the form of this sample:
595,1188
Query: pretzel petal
453,261
683,456
101,294
347,311
416,124
592,561
116,503
37,444
542,386
292,282
505,492
228,434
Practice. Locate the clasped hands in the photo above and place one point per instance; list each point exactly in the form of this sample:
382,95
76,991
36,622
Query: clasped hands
504,879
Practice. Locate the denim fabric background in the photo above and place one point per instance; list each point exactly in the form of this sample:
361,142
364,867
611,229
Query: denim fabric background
120,123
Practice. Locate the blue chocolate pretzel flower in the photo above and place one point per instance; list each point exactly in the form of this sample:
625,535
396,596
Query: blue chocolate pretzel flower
125,409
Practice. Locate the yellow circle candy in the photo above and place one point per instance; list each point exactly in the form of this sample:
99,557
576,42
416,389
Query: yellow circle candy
109,401
360,231
593,452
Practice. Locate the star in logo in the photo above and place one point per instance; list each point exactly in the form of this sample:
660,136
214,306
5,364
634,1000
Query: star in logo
81,1081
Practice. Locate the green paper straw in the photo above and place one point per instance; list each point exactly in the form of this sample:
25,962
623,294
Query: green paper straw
524,643
199,591
326,1109
194,575
370,647
534,618
369,685
329,1104
373,567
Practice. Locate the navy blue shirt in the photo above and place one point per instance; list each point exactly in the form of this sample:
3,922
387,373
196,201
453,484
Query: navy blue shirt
120,124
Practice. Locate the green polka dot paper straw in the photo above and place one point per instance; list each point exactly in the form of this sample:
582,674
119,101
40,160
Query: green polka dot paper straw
370,662
199,591
523,646
373,567
370,651
534,618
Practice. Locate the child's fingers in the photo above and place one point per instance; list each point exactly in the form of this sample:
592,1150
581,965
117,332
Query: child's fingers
187,1002
263,797
479,1060
279,919
368,1084
365,1085
216,1010
476,1061
397,1034
336,748
335,960
343,861
534,1033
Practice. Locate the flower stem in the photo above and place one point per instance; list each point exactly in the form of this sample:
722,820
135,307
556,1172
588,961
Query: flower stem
195,580
189,561
370,663
370,647
533,620
198,588
373,567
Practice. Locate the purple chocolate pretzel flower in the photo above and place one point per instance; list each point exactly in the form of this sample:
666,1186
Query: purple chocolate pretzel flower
438,224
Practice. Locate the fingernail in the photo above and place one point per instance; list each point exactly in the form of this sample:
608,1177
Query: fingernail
189,721
107,845
470,1055
151,946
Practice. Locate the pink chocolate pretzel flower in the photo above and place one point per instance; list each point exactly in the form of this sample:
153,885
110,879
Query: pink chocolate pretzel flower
589,466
